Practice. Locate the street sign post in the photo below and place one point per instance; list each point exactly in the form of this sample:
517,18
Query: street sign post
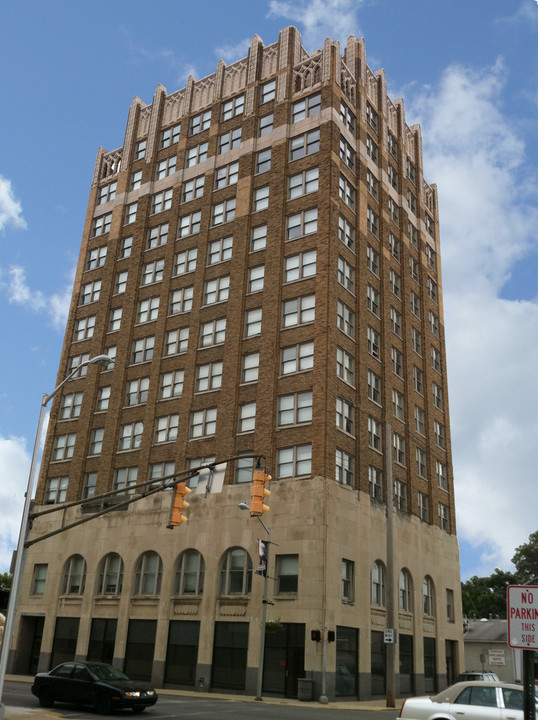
522,613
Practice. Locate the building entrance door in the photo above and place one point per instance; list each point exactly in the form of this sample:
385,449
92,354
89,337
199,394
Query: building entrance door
30,636
283,661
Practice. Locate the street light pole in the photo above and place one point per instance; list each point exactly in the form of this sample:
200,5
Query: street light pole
244,506
102,361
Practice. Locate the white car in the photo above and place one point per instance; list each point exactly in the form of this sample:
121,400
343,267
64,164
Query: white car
477,700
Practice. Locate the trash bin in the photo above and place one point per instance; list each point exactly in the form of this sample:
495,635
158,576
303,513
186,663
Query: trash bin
304,689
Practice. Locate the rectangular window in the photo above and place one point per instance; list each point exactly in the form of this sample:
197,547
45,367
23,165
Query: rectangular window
345,366
247,418
152,272
413,234
106,193
411,171
294,461
101,225
297,358
371,117
161,201
373,300
347,117
436,358
250,367
203,423
307,107
302,223
440,472
260,198
84,328
347,154
208,377
196,155
294,409
416,339
142,349
429,224
125,479
258,238
170,136
345,319
96,258
223,212
39,578
372,184
374,434
397,362
392,175
345,416
303,183
185,262
394,211
348,580
415,304
189,224
372,149
375,483
439,433
166,428
432,289
176,342
180,301
103,399
398,444
346,233
420,422
263,161
171,384
56,490
374,387
232,108
418,382
227,175
346,275
411,202
200,122
347,192
147,310
372,222
299,267
267,91
140,149
216,290
433,323
430,256
395,283
303,145
193,189
392,145
253,322
157,236
413,268
400,495
444,516
421,463
212,333
397,404
344,472
256,277
130,436
265,125
137,391
374,343
298,311
423,507
165,168
70,406
437,395
220,250
229,141
287,573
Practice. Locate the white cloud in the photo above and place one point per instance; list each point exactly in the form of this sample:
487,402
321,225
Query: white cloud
55,306
231,53
319,19
14,469
488,220
10,207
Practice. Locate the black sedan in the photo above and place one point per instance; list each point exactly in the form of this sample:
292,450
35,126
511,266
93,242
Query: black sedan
92,683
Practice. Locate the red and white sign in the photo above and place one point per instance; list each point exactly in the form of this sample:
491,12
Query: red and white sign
522,611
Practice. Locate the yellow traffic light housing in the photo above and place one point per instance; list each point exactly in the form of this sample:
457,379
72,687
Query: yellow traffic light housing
178,505
259,492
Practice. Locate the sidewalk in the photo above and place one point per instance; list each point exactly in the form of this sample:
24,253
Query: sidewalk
38,713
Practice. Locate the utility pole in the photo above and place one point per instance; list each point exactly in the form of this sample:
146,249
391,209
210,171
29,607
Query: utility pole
390,647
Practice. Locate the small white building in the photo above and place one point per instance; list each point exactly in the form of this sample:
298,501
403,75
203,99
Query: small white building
486,649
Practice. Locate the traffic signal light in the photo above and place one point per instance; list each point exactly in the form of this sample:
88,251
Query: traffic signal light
259,492
315,635
178,505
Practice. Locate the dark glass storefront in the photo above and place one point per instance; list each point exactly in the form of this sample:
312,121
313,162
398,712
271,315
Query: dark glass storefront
182,652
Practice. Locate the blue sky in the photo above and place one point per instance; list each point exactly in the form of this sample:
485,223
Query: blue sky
468,72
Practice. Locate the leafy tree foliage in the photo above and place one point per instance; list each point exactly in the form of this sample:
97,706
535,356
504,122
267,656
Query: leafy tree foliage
5,581
482,597
526,561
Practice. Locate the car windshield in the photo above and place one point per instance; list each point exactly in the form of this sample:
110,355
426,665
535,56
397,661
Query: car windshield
106,673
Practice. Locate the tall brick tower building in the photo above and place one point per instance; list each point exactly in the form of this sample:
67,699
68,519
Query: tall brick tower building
261,261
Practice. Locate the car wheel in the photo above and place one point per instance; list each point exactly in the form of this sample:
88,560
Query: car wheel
138,709
46,699
103,704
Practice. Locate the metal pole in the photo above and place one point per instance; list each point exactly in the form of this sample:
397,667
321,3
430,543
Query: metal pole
529,707
323,699
19,559
390,647
264,617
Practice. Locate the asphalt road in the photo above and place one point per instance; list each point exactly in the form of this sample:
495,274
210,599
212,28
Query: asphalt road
17,694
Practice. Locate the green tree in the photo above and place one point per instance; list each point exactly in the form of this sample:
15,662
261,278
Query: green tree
5,581
485,596
526,561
